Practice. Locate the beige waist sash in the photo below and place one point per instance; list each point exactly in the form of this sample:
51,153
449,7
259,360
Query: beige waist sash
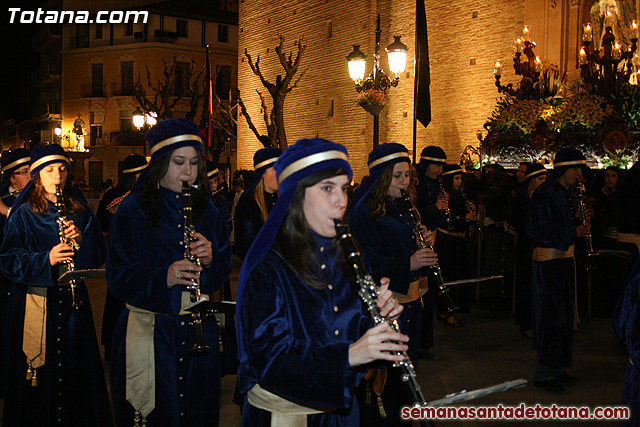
34,335
453,233
284,413
631,361
629,238
140,356
412,295
548,254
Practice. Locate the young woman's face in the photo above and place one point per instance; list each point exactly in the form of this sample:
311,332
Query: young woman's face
400,179
183,166
20,177
270,180
433,170
324,202
52,175
457,182
538,180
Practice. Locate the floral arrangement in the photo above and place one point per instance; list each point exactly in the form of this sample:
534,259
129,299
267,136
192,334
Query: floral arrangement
372,97
521,114
622,162
581,110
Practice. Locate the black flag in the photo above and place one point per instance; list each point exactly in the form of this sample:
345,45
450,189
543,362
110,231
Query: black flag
423,75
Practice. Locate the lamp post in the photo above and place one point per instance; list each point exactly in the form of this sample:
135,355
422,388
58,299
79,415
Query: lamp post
377,80
143,122
58,132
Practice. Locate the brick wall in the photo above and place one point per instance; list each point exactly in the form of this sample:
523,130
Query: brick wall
463,50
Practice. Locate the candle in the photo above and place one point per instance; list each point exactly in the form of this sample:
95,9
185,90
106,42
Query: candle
587,32
634,30
517,45
538,65
616,51
497,69
583,57
608,19
525,34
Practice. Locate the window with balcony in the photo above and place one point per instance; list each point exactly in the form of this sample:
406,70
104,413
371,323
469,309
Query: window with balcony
96,134
223,33
98,31
182,77
97,81
223,81
181,28
82,36
126,72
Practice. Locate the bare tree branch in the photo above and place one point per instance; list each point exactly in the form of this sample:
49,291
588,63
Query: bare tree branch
247,117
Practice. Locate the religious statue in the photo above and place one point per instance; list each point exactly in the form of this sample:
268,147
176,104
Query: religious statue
621,13
80,131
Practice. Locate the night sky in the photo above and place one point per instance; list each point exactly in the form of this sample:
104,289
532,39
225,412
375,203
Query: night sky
19,62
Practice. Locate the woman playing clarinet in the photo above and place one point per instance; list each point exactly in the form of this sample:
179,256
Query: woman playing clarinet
303,333
384,231
155,379
54,373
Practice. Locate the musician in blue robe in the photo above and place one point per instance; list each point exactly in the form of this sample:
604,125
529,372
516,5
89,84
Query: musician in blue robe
551,226
54,370
257,200
153,376
626,324
627,205
535,175
132,168
381,226
451,245
300,321
432,210
14,166
219,194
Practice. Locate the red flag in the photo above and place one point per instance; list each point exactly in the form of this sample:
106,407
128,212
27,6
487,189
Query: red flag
207,107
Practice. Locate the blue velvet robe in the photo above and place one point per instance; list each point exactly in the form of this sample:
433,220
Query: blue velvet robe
248,220
5,293
626,324
221,203
187,388
295,339
71,388
550,224
453,256
428,191
524,252
387,244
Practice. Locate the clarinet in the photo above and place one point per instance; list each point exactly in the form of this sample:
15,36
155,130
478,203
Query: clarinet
368,292
591,253
471,208
199,347
69,265
441,195
443,291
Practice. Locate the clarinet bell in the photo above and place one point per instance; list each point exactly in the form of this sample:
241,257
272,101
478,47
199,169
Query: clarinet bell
76,302
199,347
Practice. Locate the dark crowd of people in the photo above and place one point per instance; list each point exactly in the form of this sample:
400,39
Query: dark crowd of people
551,243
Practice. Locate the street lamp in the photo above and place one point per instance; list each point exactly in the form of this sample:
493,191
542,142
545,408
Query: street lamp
377,80
143,122
57,131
